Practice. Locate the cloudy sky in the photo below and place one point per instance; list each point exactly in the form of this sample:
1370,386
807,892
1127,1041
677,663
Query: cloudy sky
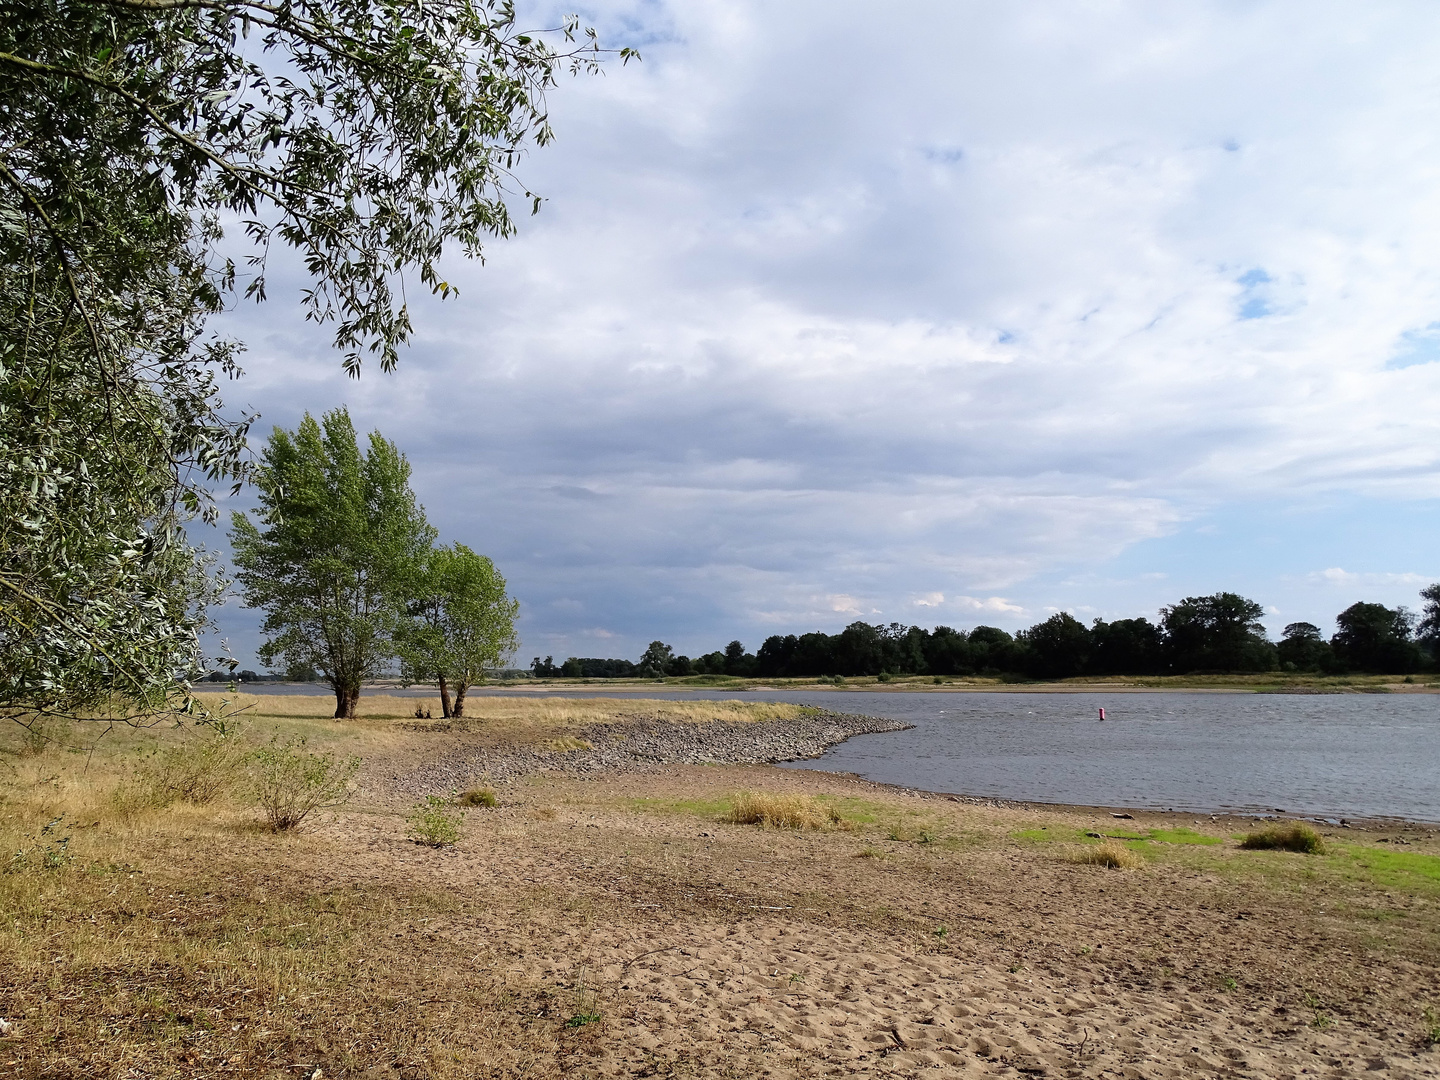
947,313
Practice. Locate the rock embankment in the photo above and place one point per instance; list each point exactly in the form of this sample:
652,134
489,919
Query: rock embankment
644,743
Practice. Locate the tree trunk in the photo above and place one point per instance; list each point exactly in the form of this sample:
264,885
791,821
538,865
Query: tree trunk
445,698
346,698
459,709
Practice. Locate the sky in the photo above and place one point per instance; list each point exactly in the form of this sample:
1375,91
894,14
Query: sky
950,313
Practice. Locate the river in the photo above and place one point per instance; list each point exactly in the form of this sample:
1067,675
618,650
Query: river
1333,756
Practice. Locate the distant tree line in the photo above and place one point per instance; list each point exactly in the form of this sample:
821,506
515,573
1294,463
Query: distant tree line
1219,634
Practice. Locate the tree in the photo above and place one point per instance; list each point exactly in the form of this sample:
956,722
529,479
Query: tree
737,660
342,545
775,655
947,652
461,622
367,137
1427,631
1302,648
1372,637
1126,647
655,660
1222,632
1057,648
992,650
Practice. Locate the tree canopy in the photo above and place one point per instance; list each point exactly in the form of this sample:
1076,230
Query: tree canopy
338,552
461,622
365,138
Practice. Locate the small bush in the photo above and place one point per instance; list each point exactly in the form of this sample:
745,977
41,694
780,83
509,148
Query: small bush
290,782
1291,836
1109,854
1431,1035
884,676
478,797
433,823
38,732
784,812
197,771
50,850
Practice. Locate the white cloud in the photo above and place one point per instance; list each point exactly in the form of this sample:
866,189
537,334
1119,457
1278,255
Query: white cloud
1344,578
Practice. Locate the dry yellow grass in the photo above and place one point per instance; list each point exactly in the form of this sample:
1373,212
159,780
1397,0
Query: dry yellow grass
1116,856
1288,836
489,711
782,811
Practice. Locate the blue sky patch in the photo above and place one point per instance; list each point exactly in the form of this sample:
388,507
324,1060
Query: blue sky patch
1417,347
1254,305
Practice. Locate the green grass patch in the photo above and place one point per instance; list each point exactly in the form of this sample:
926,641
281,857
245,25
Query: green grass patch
860,811
1405,870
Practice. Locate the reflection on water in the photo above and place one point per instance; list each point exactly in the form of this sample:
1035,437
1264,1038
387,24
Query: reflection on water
1336,756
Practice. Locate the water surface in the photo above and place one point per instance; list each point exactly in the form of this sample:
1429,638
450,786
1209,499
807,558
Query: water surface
1364,755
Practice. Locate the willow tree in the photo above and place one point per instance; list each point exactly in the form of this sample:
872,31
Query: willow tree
461,622
335,558
367,137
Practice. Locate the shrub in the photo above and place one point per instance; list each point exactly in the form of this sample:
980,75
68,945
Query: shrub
784,812
478,797
37,733
1108,854
1291,836
50,850
433,823
290,782
197,771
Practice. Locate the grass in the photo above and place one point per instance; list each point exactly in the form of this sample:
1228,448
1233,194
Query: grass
478,797
1290,836
1110,854
566,744
783,812
1407,870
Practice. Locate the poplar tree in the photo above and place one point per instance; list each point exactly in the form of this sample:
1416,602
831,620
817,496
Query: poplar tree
340,544
462,622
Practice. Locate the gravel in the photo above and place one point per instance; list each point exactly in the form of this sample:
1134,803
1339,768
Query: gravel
646,744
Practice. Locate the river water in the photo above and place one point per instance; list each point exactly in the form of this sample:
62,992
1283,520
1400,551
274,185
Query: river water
1363,755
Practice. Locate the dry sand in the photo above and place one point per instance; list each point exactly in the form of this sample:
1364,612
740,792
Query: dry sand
725,950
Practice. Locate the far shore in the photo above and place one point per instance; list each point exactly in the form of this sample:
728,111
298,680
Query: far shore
1266,683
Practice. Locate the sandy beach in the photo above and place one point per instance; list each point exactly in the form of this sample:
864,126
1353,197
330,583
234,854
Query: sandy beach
610,922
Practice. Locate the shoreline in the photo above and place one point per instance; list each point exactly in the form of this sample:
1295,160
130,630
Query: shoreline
622,687
649,745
